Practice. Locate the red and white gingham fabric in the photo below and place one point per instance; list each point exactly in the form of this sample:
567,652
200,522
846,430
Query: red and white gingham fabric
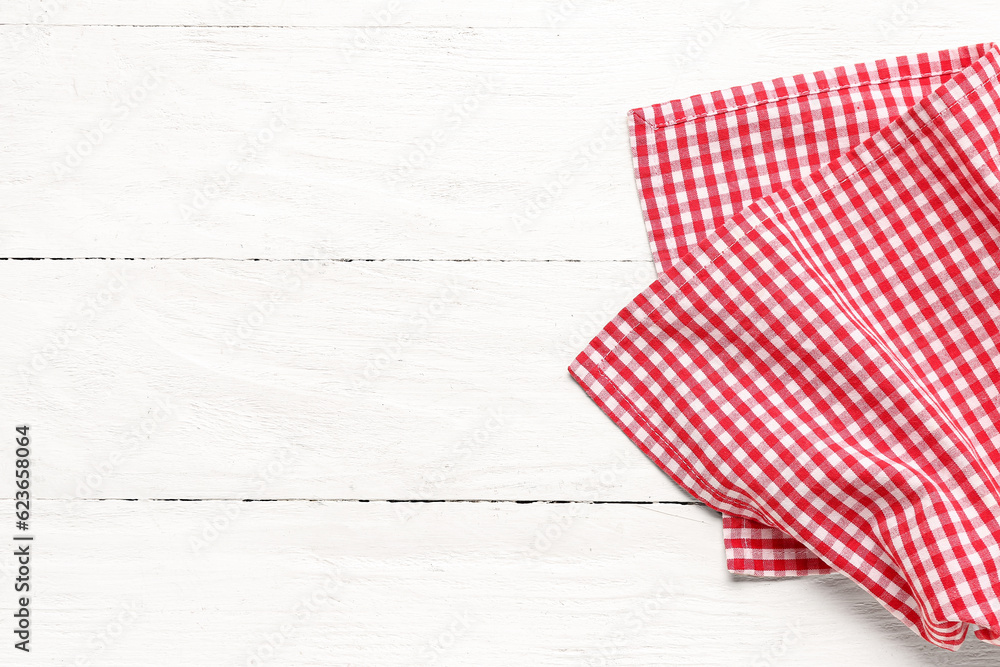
818,358
783,130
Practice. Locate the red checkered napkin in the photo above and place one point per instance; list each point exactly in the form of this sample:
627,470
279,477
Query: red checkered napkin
776,133
818,358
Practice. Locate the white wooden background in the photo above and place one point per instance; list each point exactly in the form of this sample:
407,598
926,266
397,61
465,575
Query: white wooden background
457,179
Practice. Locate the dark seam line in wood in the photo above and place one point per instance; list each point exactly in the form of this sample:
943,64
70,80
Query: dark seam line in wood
233,26
317,259
389,500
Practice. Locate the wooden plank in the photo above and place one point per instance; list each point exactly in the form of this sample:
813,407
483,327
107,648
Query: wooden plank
561,14
226,379
426,130
426,143
304,584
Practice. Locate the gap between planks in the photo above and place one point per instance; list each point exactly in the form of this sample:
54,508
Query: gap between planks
391,500
327,259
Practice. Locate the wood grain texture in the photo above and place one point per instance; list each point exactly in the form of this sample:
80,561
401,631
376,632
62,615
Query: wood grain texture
310,584
200,134
426,143
562,14
362,379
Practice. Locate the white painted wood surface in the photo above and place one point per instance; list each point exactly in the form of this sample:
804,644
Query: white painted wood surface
476,154
334,583
307,362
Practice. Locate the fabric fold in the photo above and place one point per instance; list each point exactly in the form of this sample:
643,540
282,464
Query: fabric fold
699,160
817,358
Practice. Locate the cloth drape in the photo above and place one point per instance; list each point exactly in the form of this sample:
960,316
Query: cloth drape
817,359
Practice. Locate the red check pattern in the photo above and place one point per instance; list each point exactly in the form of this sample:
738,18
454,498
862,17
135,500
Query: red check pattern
816,118
701,159
818,358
